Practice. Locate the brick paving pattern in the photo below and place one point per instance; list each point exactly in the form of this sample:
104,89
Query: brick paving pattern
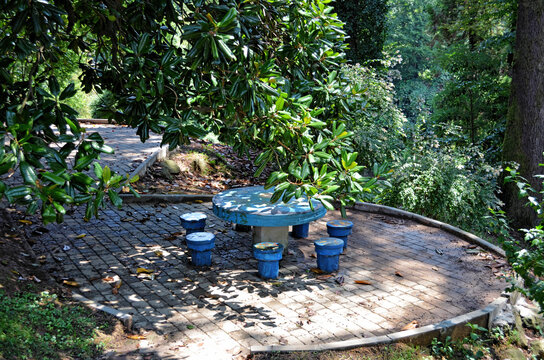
228,306
416,273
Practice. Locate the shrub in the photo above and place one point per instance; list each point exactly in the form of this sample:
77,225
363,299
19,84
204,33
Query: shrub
103,106
377,122
452,185
527,255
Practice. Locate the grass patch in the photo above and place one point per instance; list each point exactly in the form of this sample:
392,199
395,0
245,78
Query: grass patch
38,326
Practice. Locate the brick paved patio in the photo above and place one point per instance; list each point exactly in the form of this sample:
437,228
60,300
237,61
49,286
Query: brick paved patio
417,273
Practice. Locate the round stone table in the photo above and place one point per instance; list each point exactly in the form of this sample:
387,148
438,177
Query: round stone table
251,206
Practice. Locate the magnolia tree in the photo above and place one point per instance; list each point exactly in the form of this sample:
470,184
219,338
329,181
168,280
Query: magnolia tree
260,74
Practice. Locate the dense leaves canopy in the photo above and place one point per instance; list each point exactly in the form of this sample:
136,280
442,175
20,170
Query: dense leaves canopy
261,74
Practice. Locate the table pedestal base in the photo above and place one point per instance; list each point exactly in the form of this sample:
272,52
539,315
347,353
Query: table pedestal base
279,234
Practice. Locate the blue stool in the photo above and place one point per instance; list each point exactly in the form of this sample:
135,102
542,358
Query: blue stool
340,229
328,251
201,245
193,222
269,255
301,231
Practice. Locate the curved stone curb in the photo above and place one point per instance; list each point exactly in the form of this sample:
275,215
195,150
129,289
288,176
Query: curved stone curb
455,328
160,154
97,121
125,318
387,210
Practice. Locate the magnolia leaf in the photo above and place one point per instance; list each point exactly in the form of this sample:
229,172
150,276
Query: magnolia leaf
362,282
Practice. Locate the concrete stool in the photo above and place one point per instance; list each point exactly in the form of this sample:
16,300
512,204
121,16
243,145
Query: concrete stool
201,245
328,251
269,255
193,222
340,229
301,231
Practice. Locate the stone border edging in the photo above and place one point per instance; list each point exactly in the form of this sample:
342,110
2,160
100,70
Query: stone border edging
160,154
165,198
97,121
125,318
454,327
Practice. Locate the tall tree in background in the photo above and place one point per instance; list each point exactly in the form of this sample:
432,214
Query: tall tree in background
524,136
366,26
408,35
474,40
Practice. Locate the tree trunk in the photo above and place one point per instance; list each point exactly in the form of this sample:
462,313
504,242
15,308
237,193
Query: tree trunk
524,136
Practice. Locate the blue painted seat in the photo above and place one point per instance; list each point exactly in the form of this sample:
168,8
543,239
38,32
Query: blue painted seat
268,255
193,222
328,251
201,244
340,229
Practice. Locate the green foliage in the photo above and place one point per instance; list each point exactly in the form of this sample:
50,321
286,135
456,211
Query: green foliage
436,179
473,347
103,105
475,53
366,24
409,36
242,70
36,327
39,133
527,255
377,122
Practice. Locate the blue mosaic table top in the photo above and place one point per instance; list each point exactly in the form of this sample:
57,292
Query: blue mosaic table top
251,206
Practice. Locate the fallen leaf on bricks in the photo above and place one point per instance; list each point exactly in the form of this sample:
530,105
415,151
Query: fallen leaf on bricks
411,325
26,222
171,237
71,283
108,279
141,270
136,337
199,201
317,271
362,282
159,253
313,255
324,277
398,274
81,236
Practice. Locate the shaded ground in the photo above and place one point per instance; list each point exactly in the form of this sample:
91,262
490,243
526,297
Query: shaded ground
205,168
22,272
